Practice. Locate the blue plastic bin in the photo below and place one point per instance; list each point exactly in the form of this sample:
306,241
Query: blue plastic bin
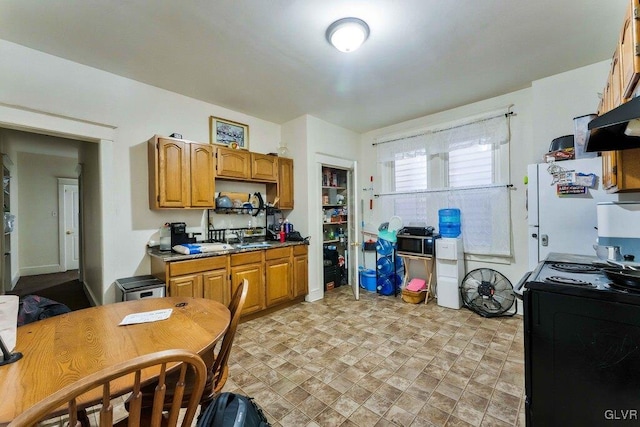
368,280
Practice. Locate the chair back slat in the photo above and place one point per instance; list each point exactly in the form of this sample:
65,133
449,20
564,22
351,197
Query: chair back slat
163,359
219,370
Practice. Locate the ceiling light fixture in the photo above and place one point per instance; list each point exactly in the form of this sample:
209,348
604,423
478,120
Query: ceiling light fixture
347,34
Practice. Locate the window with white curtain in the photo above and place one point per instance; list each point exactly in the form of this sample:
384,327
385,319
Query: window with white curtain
460,165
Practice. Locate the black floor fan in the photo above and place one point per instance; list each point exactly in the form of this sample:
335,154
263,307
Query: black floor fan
488,293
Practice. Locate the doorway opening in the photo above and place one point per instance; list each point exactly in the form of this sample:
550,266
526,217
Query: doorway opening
95,150
337,225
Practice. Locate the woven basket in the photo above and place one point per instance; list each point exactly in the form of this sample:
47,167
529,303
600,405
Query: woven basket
413,297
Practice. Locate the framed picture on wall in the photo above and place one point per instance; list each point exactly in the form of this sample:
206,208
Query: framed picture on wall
229,133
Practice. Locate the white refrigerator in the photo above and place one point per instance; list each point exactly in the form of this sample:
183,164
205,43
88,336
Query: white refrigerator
562,223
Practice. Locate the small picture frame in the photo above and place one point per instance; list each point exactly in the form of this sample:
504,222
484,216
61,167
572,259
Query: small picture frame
229,133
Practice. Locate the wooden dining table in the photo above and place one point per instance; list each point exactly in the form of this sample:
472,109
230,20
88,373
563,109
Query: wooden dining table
63,349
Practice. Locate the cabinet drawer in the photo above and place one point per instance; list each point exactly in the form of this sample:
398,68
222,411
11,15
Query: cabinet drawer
179,268
300,250
248,258
278,253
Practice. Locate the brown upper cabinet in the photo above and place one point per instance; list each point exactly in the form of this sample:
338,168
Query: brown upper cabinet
181,174
630,50
284,187
245,165
621,169
264,167
235,164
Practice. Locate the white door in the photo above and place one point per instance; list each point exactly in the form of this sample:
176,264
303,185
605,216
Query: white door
353,243
71,239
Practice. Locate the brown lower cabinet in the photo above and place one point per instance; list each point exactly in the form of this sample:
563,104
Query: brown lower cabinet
300,271
279,276
249,266
276,277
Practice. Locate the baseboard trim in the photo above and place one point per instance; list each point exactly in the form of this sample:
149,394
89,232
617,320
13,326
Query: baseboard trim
41,269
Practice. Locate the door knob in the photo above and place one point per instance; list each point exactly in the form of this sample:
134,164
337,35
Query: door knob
69,232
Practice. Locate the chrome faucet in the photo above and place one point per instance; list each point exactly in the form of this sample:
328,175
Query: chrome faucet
240,236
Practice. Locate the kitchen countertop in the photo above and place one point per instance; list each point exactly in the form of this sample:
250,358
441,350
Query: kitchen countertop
167,256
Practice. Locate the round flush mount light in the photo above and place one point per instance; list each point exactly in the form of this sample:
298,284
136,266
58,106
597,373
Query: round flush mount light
347,34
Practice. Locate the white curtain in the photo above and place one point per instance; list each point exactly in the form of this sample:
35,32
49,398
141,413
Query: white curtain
485,210
490,128
484,215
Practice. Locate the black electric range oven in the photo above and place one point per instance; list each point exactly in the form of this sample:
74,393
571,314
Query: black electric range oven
582,345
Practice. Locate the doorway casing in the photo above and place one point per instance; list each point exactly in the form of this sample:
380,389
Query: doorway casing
30,120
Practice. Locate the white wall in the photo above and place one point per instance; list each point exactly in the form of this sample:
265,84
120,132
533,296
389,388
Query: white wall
38,252
44,83
323,142
542,112
560,98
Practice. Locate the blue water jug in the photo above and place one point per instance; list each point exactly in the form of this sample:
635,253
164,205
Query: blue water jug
384,265
384,247
386,285
449,222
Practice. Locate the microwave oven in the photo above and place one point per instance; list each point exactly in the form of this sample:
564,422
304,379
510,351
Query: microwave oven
417,245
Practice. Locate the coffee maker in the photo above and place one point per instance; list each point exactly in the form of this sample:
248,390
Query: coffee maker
179,235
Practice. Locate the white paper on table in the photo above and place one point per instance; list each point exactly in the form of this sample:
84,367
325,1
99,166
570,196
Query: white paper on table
147,316
9,320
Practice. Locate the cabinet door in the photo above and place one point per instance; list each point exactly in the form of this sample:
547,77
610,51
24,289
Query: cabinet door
173,174
278,281
264,167
202,176
215,286
186,286
609,167
616,80
628,170
300,275
629,54
255,276
233,163
285,183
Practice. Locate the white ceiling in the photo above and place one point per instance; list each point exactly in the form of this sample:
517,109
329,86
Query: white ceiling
270,59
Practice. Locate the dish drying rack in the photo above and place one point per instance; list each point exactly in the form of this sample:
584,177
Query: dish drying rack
220,234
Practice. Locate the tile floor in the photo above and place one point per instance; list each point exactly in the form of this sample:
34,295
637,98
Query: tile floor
380,362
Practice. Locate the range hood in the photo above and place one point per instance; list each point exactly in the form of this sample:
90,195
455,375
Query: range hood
618,129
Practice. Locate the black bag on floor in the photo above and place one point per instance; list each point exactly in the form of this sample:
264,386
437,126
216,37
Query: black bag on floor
34,307
233,410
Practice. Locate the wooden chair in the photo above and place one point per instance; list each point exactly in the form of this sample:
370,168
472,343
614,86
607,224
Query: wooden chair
160,361
219,372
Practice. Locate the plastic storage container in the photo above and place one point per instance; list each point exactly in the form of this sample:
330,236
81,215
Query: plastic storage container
368,280
449,222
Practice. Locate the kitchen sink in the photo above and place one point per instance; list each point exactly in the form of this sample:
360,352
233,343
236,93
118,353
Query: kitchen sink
253,245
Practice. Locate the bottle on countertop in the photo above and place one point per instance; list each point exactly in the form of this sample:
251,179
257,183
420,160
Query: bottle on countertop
165,237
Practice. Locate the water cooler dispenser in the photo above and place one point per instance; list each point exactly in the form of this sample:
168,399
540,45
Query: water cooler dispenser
449,271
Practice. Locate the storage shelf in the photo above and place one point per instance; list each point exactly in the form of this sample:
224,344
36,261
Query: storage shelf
331,241
334,223
333,187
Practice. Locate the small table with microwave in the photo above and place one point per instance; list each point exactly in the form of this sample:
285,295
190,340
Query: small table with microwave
418,244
